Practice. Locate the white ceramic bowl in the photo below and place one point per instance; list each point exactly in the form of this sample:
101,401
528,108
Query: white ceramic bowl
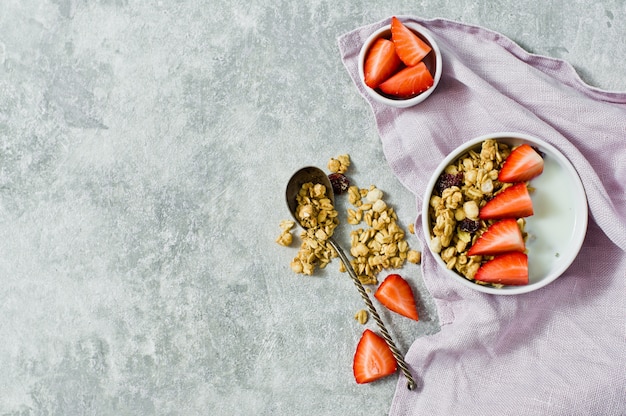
432,62
557,228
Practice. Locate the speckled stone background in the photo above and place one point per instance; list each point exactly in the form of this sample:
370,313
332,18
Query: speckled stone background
144,151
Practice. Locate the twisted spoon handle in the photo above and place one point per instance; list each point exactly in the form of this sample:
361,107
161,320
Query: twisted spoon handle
394,350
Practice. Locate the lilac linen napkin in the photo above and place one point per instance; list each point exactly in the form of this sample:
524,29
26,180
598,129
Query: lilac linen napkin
560,350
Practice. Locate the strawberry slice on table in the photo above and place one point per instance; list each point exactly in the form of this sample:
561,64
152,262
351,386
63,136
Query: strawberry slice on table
501,237
522,164
408,81
381,62
396,294
513,202
506,269
373,359
409,47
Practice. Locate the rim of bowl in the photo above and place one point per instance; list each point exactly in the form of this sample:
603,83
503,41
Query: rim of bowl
401,103
581,220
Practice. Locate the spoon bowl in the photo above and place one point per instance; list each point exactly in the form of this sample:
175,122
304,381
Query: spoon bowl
305,175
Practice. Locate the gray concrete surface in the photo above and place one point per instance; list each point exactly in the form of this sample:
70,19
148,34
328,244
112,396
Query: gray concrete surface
144,150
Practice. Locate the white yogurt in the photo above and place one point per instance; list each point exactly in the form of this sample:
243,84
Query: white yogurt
550,229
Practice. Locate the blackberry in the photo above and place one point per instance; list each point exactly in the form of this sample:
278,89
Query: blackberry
468,225
339,182
446,180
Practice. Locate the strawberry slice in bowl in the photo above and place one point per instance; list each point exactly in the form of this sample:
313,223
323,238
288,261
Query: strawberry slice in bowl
410,48
408,82
512,202
501,237
382,61
505,269
523,164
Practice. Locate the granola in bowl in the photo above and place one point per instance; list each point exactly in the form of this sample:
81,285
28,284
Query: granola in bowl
460,191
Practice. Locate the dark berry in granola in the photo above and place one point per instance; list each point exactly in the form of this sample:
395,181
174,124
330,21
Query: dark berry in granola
339,182
471,226
447,180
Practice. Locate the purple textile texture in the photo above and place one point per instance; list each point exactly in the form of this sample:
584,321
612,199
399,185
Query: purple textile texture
560,350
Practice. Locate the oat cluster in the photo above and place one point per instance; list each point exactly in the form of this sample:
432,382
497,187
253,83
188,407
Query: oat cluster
285,238
339,164
361,316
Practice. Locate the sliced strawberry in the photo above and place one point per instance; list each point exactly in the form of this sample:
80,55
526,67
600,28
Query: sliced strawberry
501,237
409,47
513,202
396,294
381,62
523,164
408,81
506,269
373,359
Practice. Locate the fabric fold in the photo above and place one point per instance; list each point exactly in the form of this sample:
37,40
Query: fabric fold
559,350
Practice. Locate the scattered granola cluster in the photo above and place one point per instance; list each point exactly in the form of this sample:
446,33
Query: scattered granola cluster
285,238
465,186
381,245
361,316
340,164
